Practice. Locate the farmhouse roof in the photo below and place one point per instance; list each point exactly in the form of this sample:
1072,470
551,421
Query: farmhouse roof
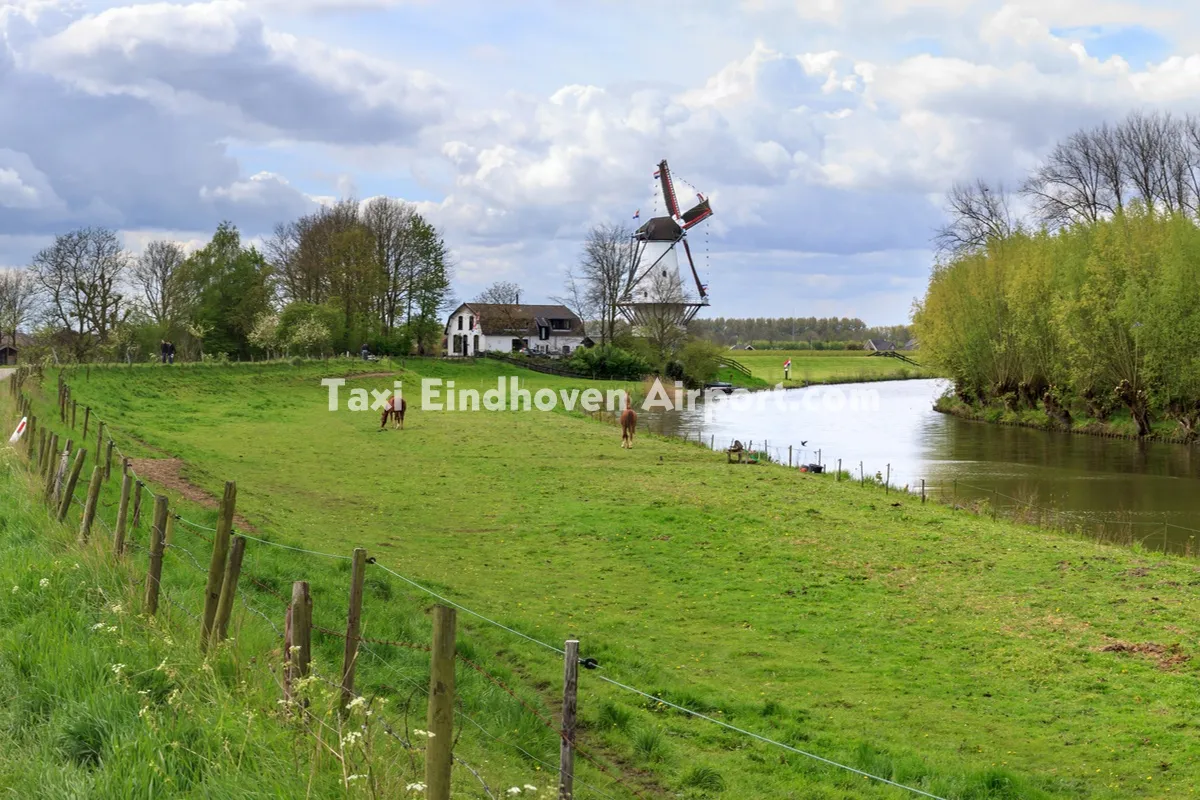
500,318
880,344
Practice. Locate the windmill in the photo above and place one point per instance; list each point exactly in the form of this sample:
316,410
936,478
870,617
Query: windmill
655,289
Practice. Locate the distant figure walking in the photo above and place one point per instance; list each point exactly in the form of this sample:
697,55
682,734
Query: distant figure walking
162,349
395,410
170,352
628,425
365,351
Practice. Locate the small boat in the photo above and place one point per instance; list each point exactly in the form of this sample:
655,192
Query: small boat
721,386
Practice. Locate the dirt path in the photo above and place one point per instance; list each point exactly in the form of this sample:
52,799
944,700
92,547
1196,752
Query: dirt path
168,472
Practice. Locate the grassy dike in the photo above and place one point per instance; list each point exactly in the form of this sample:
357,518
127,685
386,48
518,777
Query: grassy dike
811,367
969,658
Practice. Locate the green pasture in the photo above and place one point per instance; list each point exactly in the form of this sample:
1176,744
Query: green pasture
826,366
939,649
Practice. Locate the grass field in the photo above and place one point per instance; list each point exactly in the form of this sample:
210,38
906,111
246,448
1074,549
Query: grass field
825,366
936,648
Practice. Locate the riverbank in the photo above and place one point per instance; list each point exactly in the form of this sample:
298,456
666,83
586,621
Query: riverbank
965,656
816,368
1119,426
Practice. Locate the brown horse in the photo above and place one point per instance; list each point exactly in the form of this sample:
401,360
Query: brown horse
628,425
396,413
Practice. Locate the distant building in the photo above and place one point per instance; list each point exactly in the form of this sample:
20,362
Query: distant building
10,352
880,345
742,347
476,328
911,344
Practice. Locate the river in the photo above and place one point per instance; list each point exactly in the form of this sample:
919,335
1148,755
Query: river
1112,488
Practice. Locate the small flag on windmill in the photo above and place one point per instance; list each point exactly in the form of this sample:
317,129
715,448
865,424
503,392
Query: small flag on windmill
637,213
657,172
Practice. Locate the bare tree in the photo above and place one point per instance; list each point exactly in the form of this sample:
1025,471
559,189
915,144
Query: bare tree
1072,184
1142,139
575,297
18,293
156,274
500,293
602,274
659,314
978,214
390,222
79,278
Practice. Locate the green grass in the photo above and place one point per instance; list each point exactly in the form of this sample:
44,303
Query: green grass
929,646
826,366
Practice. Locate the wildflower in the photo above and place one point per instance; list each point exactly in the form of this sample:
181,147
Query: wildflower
44,582
116,609
112,628
116,668
355,777
351,738
419,732
514,790
356,702
98,626
16,589
415,787
531,787
163,666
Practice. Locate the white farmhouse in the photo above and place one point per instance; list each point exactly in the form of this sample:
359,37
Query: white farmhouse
501,328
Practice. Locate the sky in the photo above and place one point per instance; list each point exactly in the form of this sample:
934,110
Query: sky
825,132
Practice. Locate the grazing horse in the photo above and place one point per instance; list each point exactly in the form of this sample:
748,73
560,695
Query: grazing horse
628,425
395,412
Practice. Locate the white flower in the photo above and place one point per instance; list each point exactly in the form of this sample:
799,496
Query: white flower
116,668
98,626
16,589
351,738
419,732
356,702
116,609
531,787
415,787
44,582
514,790
355,777
76,565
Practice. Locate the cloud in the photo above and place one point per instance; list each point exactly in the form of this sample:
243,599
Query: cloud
823,132
219,58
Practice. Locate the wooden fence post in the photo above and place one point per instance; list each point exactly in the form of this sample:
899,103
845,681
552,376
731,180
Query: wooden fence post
862,474
154,576
839,472
297,640
51,461
216,566
789,455
440,720
73,404
122,515
233,571
108,448
99,440
137,504
922,491
32,436
169,533
353,619
87,417
89,508
566,751
63,462
69,489
887,484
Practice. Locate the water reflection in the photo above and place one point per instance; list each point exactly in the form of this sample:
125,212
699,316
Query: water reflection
1125,488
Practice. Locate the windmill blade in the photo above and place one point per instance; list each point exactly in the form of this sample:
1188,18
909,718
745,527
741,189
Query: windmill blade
697,214
695,276
664,176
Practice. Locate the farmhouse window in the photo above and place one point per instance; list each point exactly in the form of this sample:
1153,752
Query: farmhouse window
471,323
460,322
560,324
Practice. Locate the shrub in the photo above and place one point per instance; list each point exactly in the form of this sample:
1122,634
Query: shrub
608,363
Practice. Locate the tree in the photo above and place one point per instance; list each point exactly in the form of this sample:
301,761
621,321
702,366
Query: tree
1074,183
603,271
501,293
978,214
265,334
79,277
392,223
431,289
659,314
156,275
18,293
226,287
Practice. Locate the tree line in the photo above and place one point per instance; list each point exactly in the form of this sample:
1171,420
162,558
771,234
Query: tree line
1087,304
345,275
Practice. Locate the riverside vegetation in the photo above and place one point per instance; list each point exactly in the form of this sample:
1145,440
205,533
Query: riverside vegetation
968,657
